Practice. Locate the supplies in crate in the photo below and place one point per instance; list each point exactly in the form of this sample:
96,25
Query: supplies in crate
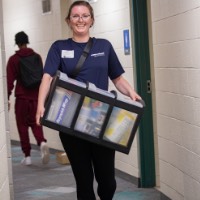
91,116
63,106
120,126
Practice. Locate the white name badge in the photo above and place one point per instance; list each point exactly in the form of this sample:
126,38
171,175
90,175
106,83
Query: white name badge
67,54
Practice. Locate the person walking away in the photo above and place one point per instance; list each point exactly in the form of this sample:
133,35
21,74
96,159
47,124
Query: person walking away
26,100
88,160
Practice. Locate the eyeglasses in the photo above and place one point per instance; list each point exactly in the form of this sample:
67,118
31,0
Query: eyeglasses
77,17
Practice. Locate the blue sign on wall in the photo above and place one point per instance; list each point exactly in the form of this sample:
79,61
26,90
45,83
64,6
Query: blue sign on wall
126,42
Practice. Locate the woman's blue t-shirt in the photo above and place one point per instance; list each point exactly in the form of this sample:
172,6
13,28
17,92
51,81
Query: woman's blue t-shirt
101,63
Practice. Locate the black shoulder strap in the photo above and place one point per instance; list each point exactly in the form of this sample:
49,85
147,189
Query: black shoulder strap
82,58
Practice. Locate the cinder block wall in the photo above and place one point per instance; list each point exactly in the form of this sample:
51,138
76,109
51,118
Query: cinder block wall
6,185
175,50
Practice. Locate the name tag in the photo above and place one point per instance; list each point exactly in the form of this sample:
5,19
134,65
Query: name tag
67,54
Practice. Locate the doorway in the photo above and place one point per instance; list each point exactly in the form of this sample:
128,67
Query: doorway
142,59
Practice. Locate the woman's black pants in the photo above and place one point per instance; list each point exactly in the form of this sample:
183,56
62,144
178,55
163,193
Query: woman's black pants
88,160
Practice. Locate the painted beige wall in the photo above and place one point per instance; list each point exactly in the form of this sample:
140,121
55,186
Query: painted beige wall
110,19
176,66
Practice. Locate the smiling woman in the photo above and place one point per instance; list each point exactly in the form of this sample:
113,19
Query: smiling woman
88,160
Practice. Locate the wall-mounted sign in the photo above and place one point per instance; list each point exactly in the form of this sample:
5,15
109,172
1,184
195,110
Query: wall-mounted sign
126,42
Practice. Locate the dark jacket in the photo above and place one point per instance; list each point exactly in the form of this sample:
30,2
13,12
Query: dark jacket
14,75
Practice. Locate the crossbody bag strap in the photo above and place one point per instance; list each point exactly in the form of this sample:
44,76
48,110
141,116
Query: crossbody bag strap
82,58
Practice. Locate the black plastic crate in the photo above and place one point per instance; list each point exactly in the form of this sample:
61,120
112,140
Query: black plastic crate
85,111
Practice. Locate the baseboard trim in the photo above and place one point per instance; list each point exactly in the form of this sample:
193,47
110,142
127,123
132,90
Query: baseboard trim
34,146
127,177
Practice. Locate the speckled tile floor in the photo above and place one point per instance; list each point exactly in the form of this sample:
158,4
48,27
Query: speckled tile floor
56,182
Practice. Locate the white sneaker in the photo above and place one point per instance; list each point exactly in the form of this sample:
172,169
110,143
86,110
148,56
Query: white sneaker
44,152
26,161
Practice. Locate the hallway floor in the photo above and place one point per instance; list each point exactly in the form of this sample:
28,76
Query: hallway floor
56,182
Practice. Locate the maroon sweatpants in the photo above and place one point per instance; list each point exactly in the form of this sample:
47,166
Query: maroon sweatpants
25,111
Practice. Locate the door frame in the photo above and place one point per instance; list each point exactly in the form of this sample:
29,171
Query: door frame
139,24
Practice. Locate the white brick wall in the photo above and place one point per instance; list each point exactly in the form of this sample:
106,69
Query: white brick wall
5,175
176,34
